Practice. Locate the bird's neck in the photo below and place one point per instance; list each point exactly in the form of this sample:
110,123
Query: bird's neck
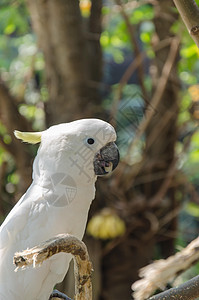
70,172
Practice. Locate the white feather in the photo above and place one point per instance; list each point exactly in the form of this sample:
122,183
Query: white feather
57,202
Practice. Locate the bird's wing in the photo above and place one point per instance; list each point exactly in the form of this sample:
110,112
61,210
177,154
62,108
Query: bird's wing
27,225
17,218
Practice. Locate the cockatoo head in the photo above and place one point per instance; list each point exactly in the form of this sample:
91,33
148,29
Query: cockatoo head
82,148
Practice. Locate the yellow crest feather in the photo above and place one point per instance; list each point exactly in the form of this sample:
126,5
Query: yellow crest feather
29,137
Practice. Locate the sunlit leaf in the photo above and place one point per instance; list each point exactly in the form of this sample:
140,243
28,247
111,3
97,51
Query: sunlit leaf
145,37
143,13
10,28
7,139
192,209
189,51
13,178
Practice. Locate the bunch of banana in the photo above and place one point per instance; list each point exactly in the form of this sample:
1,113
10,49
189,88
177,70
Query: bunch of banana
106,225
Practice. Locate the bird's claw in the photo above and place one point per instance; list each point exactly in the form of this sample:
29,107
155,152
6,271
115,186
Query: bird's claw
60,295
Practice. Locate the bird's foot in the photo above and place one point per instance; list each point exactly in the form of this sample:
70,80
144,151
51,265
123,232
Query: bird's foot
60,295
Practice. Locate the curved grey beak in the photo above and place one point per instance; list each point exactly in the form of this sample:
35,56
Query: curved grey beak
106,159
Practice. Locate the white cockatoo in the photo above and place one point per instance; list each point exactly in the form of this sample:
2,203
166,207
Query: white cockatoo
69,159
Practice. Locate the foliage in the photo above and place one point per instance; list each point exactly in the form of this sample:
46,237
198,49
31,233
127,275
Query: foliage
21,67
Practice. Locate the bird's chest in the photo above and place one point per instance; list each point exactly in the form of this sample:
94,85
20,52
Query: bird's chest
69,215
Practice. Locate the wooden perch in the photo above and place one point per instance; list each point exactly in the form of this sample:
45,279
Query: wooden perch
158,274
62,243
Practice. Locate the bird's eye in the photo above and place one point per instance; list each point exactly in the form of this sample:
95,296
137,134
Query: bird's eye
90,141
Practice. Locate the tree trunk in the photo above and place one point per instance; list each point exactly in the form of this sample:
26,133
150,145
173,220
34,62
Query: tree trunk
161,134
66,40
73,67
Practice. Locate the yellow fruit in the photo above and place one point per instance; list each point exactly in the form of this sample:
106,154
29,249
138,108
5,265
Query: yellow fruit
106,225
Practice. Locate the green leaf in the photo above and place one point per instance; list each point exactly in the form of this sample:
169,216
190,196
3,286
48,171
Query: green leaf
189,51
10,28
192,209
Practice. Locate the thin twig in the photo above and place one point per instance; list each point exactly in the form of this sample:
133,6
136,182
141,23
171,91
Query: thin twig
135,47
131,5
127,74
161,86
165,184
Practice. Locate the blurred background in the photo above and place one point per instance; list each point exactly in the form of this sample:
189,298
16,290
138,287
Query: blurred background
133,64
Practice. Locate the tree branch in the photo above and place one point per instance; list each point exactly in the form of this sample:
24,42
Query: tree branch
93,36
62,243
158,274
186,291
135,46
189,12
157,96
